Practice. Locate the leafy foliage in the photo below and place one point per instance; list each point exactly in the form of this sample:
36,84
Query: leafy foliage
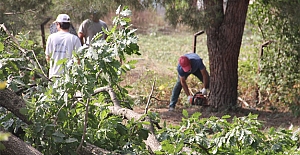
280,64
60,119
193,13
219,136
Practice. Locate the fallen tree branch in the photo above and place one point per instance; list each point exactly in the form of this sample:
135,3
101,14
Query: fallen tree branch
13,103
151,141
15,146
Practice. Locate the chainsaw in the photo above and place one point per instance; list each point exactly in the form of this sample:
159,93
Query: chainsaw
199,99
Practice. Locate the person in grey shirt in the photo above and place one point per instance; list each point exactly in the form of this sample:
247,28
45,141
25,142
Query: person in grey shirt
90,27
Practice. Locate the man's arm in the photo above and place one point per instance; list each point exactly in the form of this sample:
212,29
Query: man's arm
81,36
205,78
47,58
185,86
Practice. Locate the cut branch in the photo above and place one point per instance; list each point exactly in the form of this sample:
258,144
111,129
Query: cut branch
151,141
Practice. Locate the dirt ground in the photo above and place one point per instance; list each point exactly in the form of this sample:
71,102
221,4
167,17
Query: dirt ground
276,119
269,119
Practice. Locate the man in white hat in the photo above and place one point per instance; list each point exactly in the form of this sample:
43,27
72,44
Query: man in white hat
60,45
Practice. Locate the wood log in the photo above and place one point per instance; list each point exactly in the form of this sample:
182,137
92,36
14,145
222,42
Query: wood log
15,146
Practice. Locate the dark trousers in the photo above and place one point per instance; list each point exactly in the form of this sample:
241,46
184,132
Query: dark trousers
177,88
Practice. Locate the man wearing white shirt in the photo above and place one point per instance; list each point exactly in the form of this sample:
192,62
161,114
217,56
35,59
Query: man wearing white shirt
60,45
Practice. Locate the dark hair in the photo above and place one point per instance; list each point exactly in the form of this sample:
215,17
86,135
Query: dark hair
64,25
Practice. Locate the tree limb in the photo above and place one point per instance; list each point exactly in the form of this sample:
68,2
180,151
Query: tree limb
151,141
85,125
15,146
13,103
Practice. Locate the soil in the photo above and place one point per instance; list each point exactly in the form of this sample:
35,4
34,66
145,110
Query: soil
279,118
269,119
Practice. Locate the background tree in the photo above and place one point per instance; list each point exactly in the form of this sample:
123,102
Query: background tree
13,13
36,12
279,75
79,9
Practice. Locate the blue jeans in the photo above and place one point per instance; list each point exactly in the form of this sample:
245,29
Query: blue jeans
177,88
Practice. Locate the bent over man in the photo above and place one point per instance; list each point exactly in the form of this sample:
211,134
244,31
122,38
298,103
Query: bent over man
188,64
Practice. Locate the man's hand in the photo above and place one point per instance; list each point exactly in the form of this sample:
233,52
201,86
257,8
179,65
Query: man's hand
190,99
204,91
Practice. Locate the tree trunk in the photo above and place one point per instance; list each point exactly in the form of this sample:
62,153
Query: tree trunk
224,38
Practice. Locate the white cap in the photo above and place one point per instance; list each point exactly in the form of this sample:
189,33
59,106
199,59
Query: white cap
63,18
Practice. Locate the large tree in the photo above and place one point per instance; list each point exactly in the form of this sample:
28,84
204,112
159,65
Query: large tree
224,38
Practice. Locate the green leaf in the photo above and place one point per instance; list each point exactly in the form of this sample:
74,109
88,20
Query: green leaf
2,147
58,139
226,116
24,111
4,136
58,134
121,129
62,61
185,113
1,47
118,10
71,140
179,147
126,13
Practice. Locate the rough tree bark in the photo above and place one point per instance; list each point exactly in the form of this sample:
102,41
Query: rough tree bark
15,146
224,38
12,102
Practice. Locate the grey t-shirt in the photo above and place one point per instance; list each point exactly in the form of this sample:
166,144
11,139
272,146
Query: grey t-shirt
90,29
